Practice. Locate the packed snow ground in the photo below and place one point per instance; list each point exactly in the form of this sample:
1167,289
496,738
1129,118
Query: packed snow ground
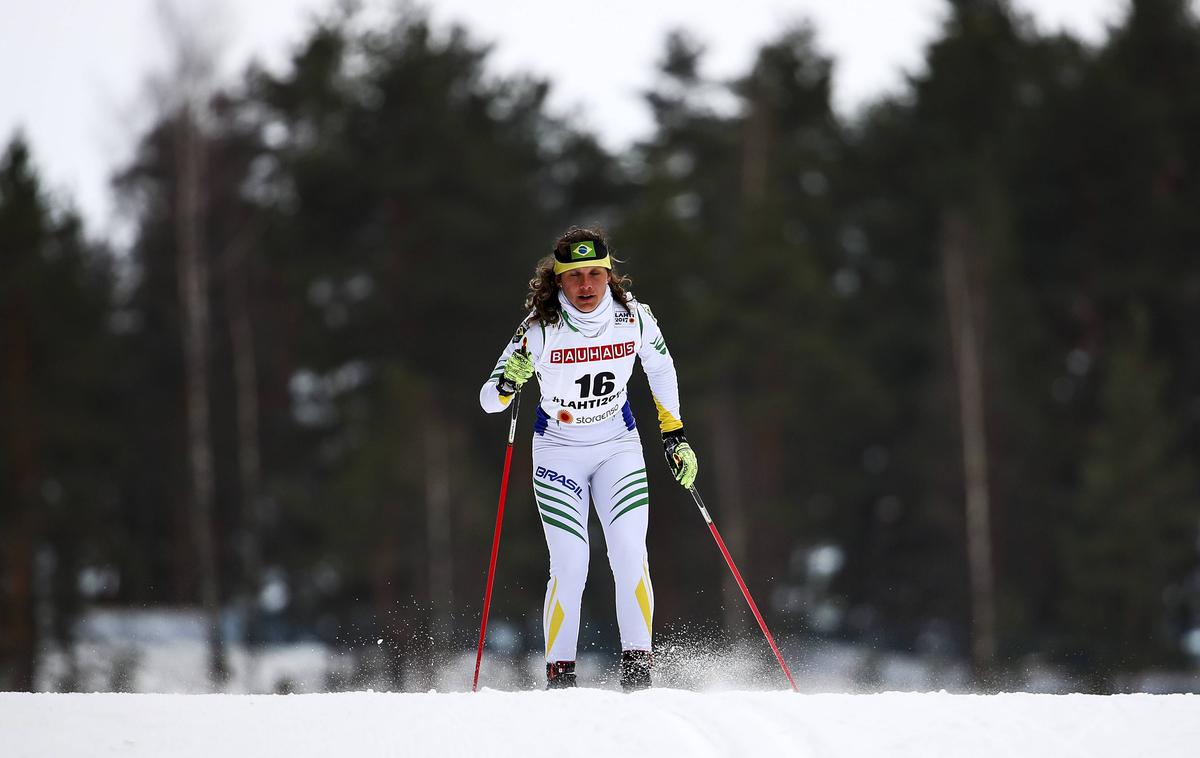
601,723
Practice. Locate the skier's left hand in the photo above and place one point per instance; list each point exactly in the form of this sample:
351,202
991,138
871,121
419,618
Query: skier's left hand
680,458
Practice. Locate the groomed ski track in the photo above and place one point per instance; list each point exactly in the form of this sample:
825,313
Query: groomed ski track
601,723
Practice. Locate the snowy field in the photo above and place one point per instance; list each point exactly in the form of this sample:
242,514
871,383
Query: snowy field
724,702
601,723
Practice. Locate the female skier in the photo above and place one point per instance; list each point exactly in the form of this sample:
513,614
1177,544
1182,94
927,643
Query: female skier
581,336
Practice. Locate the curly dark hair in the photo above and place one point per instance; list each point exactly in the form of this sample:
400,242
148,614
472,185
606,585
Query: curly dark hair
543,287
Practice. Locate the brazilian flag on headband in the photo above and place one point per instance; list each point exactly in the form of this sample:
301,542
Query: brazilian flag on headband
579,254
584,251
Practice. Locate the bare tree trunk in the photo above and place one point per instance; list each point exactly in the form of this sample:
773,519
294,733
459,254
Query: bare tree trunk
732,518
245,371
17,640
966,317
756,150
437,502
757,147
193,297
396,623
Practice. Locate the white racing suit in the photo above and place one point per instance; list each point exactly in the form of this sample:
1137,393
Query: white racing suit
585,446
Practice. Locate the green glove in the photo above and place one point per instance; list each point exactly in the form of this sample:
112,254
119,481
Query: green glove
680,458
517,370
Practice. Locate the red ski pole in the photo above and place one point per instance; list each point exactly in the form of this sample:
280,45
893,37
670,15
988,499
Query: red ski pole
745,592
487,597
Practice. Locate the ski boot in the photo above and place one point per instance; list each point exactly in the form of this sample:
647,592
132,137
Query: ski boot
560,675
635,669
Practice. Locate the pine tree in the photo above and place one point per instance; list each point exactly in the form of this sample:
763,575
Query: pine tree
1132,530
60,431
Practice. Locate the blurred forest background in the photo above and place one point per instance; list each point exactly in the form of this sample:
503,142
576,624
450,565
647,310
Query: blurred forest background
939,362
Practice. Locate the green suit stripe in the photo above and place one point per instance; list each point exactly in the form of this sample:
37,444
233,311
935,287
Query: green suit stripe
540,496
627,485
567,321
551,488
631,473
630,496
562,526
629,508
557,512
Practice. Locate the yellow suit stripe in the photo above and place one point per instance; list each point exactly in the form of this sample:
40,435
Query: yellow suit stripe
666,421
550,602
556,620
553,618
643,601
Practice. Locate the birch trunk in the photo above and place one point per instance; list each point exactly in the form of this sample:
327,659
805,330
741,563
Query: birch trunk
193,298
965,310
245,371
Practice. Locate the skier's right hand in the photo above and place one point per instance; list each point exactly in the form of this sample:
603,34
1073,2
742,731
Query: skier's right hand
517,370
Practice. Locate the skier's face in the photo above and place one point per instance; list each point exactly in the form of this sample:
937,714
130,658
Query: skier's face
584,286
